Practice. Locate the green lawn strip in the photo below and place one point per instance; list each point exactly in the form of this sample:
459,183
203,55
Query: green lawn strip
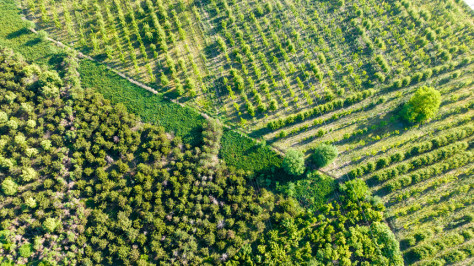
243,152
237,150
153,108
15,35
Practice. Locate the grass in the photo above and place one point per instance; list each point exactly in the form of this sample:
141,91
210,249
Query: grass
243,152
153,108
15,35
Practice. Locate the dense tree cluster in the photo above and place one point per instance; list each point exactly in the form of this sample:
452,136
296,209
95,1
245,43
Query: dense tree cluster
83,182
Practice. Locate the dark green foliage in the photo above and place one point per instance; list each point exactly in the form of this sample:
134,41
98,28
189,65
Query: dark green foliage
323,155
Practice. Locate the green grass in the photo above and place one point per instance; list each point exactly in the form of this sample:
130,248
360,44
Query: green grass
183,121
15,35
237,150
242,152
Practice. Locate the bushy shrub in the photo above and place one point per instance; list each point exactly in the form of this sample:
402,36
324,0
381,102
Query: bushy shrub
422,106
50,224
9,187
293,163
323,155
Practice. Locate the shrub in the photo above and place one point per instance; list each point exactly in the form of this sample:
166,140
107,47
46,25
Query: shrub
293,163
50,224
355,189
422,106
26,250
323,155
9,187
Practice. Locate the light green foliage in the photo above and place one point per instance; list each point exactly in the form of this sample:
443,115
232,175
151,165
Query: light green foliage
387,243
323,155
30,202
293,163
6,162
20,140
27,108
422,106
31,123
50,224
28,174
12,124
355,189
46,144
26,250
49,78
3,117
9,187
50,91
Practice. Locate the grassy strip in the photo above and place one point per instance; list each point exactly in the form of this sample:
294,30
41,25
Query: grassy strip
243,152
184,122
15,35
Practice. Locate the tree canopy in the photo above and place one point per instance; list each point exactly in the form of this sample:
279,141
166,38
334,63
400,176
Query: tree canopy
293,163
423,105
323,155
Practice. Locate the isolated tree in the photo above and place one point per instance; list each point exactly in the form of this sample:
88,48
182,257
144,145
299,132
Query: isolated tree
323,155
293,163
422,106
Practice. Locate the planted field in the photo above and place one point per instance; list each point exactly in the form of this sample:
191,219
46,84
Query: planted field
300,73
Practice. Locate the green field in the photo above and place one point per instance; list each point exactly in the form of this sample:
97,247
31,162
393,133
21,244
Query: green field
292,75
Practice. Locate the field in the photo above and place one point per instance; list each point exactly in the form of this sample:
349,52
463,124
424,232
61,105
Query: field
293,75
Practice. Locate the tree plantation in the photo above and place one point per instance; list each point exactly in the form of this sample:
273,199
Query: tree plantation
85,183
236,132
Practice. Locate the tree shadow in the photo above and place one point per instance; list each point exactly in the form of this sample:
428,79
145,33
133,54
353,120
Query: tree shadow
18,33
33,42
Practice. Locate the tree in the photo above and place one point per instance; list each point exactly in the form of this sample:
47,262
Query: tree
9,187
355,189
26,250
422,106
50,224
28,174
323,155
293,163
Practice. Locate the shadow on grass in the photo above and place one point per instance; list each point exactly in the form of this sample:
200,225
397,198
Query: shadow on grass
33,42
18,33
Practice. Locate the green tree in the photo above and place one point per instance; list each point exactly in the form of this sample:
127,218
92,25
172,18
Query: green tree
26,250
50,224
293,163
422,106
28,174
323,155
9,187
